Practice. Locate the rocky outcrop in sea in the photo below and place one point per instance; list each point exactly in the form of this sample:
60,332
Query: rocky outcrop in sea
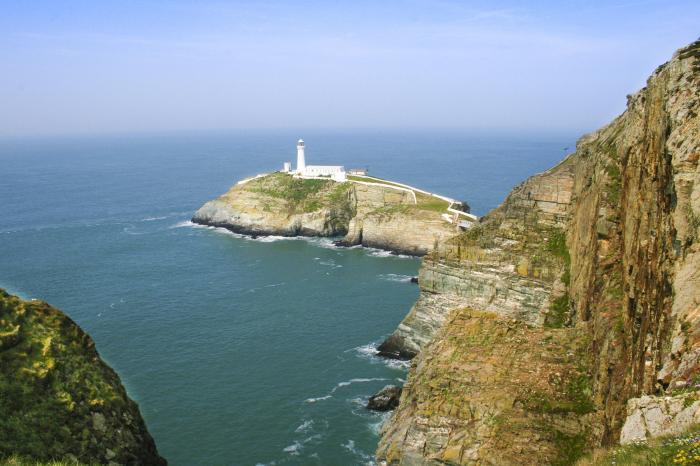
363,214
385,399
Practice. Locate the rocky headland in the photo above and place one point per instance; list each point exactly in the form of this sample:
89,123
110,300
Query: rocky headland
371,214
59,401
569,315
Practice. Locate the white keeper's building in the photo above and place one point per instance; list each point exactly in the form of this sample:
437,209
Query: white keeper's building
334,172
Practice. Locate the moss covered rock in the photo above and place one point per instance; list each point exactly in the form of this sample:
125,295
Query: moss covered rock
58,399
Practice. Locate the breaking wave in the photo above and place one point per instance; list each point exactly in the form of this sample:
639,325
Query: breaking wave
350,446
395,277
370,352
320,398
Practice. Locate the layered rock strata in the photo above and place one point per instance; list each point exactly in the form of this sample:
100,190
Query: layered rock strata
365,214
579,293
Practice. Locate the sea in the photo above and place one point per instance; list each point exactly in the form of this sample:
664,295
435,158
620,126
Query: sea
239,351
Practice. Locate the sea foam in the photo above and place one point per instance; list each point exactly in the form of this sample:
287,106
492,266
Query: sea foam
395,277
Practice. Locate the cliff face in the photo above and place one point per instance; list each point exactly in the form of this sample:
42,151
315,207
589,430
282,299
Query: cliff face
58,399
579,293
508,264
366,214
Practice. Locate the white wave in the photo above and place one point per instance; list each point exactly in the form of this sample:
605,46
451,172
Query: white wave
293,449
273,285
258,288
376,427
395,277
227,232
268,239
187,223
398,364
359,380
330,263
350,446
382,253
370,349
151,219
341,385
370,352
320,398
359,400
326,243
305,426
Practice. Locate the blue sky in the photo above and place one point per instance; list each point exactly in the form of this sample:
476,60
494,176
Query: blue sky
96,67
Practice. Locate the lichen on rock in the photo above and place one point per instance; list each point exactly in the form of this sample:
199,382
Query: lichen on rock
589,274
368,214
58,399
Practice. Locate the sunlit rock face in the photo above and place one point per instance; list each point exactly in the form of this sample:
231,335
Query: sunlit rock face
366,214
586,278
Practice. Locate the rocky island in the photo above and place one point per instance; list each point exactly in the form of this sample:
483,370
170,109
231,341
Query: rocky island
59,401
568,318
363,210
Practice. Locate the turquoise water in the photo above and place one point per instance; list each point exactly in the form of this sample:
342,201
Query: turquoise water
239,351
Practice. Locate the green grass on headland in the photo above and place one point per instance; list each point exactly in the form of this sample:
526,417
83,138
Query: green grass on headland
432,203
16,460
424,201
301,194
283,186
372,179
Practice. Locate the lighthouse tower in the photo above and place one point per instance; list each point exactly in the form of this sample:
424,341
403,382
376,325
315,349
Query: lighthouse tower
301,161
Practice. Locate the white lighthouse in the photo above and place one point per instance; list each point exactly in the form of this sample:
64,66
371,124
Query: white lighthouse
301,161
333,172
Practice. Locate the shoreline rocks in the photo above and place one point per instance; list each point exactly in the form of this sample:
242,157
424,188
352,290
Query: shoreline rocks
385,399
367,215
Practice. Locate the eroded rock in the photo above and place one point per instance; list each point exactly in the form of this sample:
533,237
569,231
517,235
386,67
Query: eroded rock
386,399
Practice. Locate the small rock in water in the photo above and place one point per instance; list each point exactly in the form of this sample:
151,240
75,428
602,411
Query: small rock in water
414,279
386,399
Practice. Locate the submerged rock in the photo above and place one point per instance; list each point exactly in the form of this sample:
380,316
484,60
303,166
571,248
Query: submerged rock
386,399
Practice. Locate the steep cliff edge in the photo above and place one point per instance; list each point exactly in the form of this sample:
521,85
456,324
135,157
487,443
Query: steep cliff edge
368,214
579,293
58,399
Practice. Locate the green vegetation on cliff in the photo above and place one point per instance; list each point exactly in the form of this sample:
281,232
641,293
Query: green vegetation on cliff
58,399
674,450
423,201
307,195
16,460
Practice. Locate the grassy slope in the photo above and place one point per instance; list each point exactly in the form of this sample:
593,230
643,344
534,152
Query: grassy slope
16,460
300,195
57,397
682,450
425,201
